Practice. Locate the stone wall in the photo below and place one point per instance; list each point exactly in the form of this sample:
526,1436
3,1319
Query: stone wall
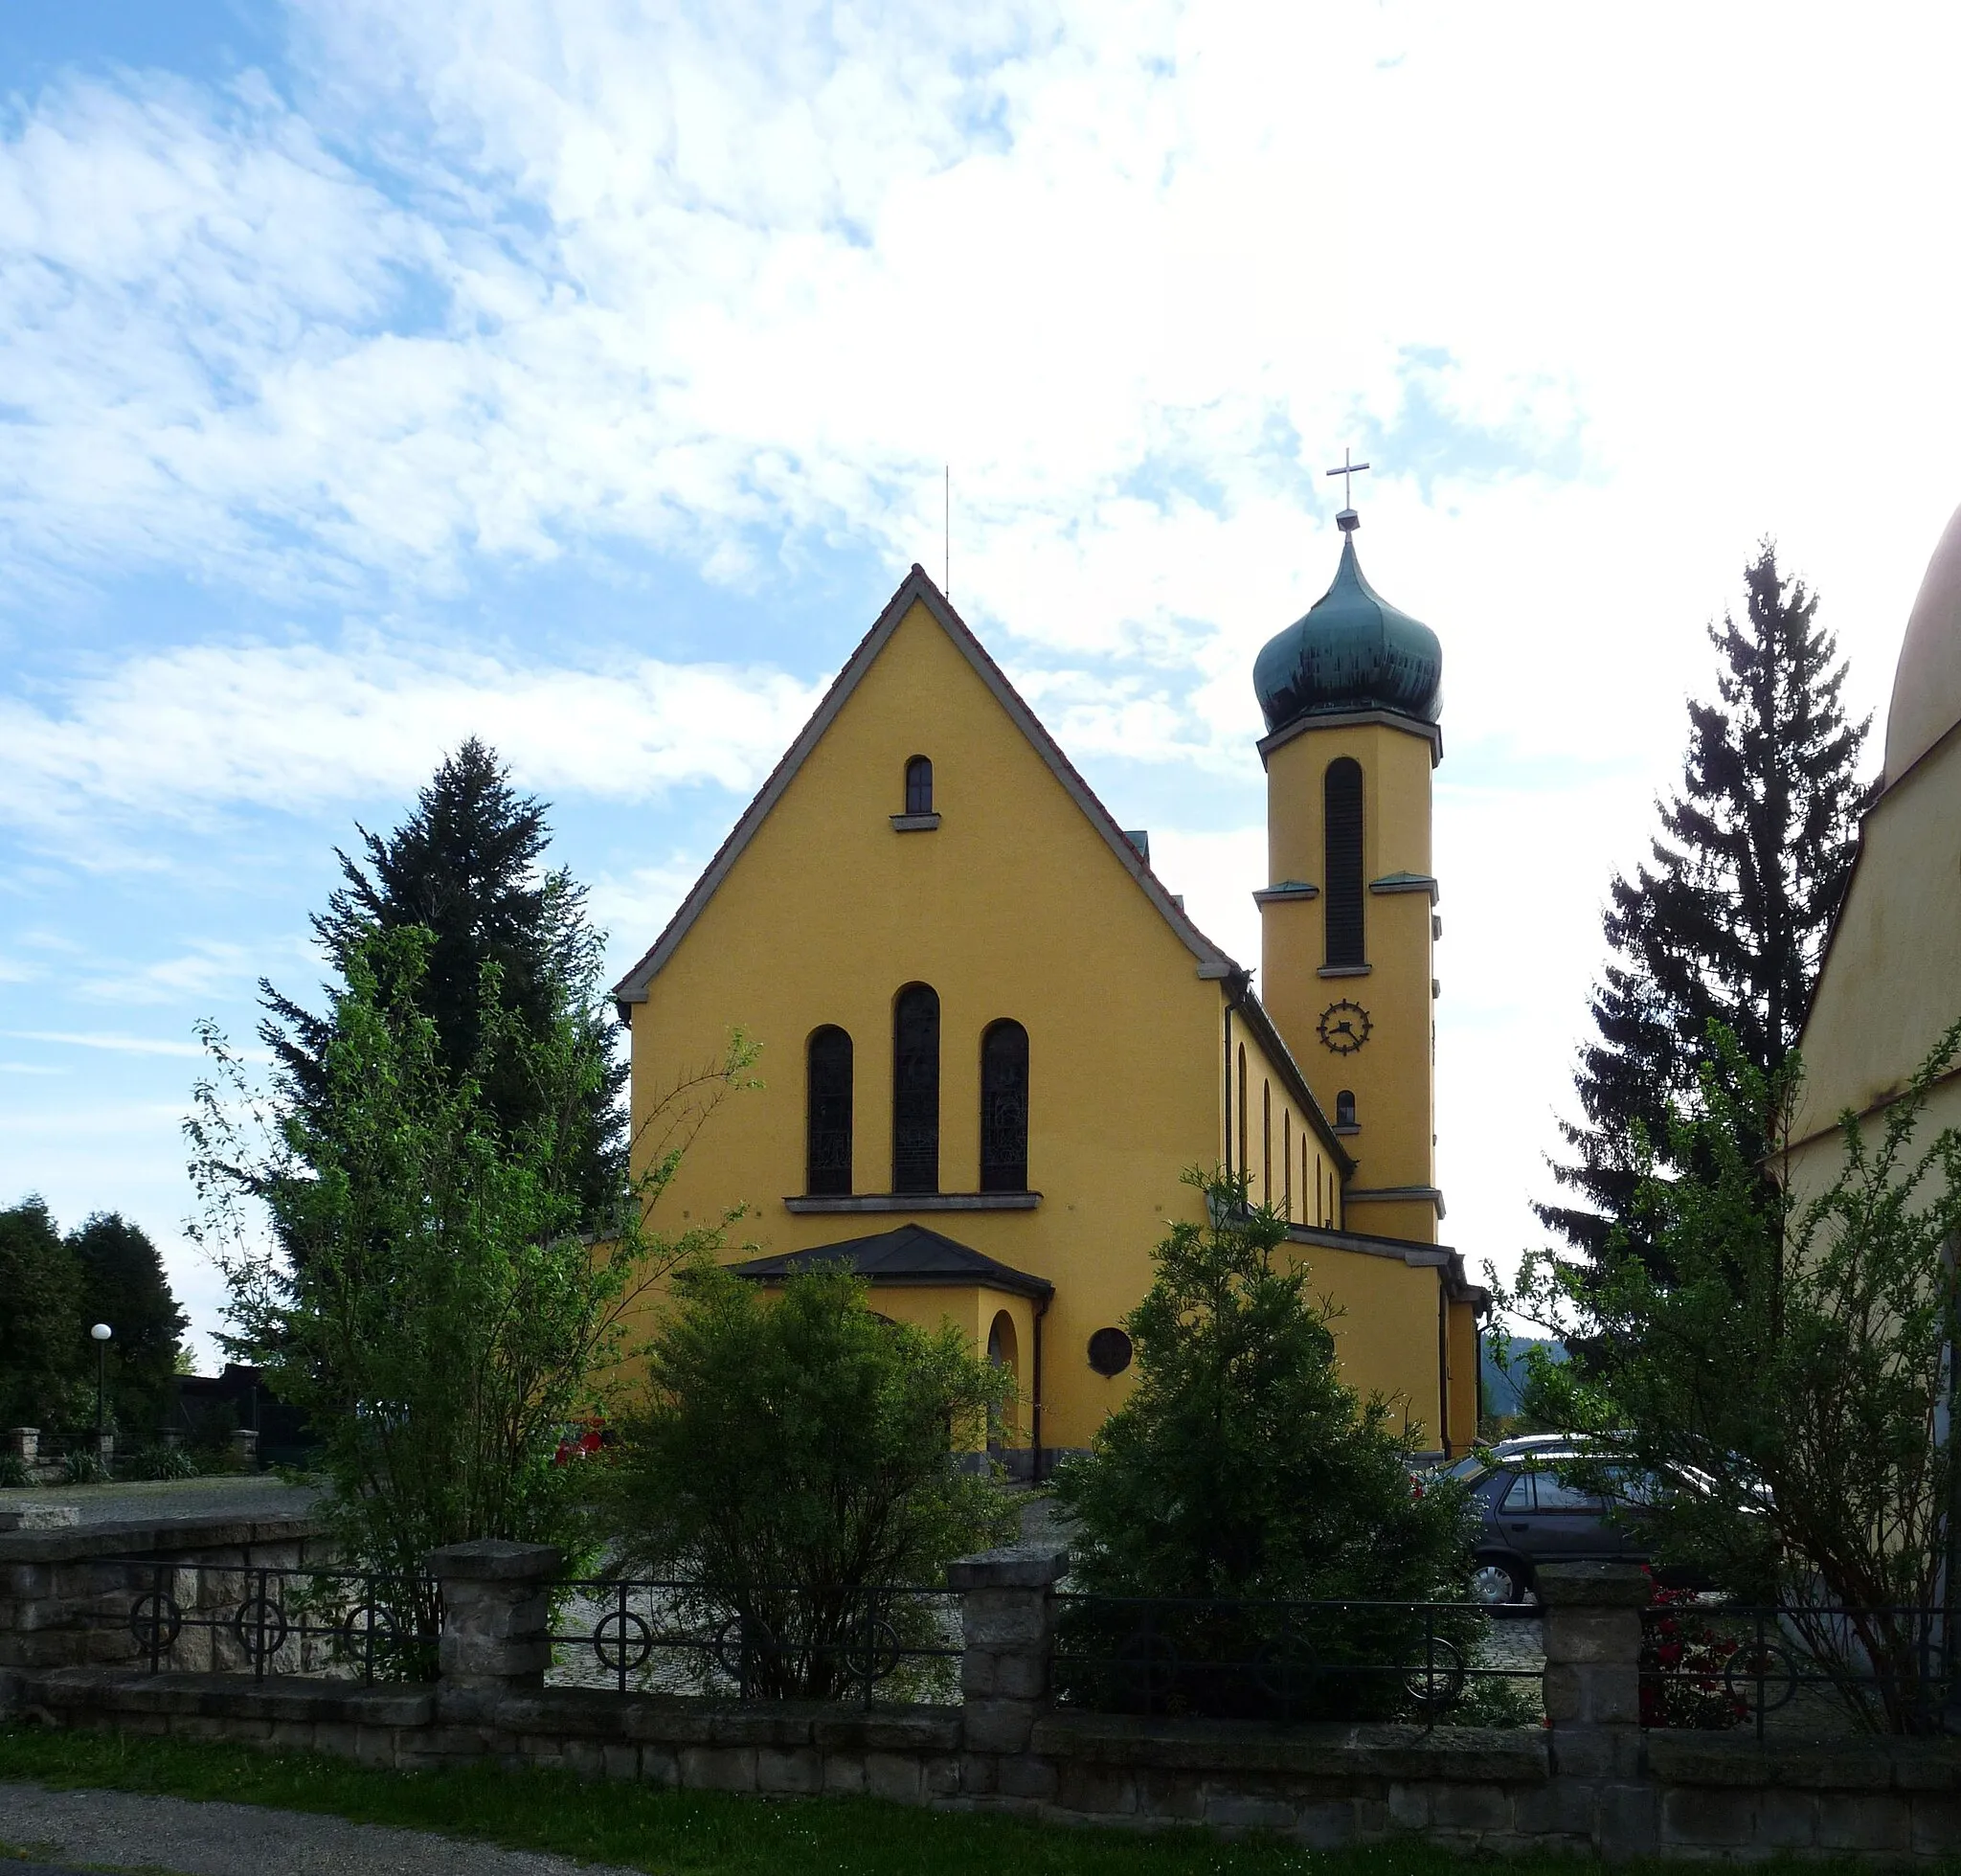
65,1593
1590,1782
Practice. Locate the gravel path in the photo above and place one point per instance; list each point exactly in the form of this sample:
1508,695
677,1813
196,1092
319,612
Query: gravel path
123,1830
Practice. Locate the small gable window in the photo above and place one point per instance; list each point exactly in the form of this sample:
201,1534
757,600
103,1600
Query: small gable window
1344,1109
1005,1108
916,1089
827,1114
919,786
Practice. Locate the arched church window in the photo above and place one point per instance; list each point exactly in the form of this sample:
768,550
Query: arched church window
827,1113
1344,1109
919,786
1242,1110
1266,1143
1287,1164
916,1089
1005,1108
1342,831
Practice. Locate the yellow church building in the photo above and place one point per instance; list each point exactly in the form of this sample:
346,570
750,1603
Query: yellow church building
991,1040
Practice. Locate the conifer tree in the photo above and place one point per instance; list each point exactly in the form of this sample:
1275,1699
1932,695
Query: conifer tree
467,865
1729,919
123,1284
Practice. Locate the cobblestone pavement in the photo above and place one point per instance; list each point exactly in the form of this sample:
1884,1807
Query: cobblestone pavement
125,1830
260,1495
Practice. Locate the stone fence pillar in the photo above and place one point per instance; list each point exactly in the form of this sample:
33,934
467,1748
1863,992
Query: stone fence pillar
496,1618
24,1444
1594,1698
1007,1615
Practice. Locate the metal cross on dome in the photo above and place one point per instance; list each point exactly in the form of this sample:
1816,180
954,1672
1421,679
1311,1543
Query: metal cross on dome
1349,472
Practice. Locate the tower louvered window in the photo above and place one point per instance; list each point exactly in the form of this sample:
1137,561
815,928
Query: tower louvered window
1005,1108
1342,894
828,1134
916,1089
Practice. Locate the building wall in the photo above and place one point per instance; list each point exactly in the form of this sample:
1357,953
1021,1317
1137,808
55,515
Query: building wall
1891,981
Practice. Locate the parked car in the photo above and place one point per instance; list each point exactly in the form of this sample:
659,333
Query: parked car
1525,1517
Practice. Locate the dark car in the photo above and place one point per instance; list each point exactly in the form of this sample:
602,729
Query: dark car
1525,1517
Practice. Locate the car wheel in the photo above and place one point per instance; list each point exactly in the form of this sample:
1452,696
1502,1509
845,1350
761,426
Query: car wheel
1494,1582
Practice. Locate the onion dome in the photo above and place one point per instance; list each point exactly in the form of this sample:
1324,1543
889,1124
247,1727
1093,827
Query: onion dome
1926,683
1352,651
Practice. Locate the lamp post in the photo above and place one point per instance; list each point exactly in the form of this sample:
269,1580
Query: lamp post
101,1334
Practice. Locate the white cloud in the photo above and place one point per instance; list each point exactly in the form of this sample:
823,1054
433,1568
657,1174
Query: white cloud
205,728
1602,296
124,1045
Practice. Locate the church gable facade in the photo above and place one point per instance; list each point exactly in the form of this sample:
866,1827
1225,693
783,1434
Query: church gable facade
990,1043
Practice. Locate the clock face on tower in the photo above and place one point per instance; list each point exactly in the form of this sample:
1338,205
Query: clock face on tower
1344,1026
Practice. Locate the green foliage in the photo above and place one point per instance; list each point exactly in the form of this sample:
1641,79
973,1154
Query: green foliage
503,937
1785,1378
1728,924
43,1337
426,1300
84,1467
161,1463
123,1283
14,1470
1241,1467
798,1452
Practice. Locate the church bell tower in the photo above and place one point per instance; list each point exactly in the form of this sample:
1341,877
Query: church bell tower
1352,692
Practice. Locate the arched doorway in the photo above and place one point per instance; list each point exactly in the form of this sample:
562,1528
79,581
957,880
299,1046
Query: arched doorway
1003,1350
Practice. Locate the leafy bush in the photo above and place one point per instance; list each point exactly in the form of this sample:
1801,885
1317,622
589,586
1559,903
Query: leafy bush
162,1462
799,1460
84,1467
14,1470
426,1297
1684,1667
1241,1476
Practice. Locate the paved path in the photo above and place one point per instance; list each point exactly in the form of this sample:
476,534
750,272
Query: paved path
126,1830
262,1495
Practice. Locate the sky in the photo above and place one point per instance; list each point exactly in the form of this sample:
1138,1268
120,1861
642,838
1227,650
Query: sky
583,377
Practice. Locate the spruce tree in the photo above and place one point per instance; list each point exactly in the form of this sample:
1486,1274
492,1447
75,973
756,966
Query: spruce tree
44,1343
467,866
1729,919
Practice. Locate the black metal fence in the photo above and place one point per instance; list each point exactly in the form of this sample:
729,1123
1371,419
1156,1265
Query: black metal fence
1266,1659
762,1641
1713,1666
285,1621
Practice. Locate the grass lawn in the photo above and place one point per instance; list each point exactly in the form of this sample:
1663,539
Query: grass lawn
718,1834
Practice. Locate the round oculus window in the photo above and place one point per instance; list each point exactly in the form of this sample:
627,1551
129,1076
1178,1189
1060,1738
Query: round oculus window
1109,1351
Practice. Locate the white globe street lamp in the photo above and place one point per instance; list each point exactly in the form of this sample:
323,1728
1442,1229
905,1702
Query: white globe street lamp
100,1333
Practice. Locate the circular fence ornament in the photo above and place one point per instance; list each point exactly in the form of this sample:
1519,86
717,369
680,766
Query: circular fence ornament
261,1627
365,1625
1440,1682
155,1621
1760,1674
1110,1352
623,1641
739,1646
872,1652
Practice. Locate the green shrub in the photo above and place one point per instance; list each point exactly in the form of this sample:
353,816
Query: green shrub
162,1462
14,1470
84,1467
1241,1476
799,1458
